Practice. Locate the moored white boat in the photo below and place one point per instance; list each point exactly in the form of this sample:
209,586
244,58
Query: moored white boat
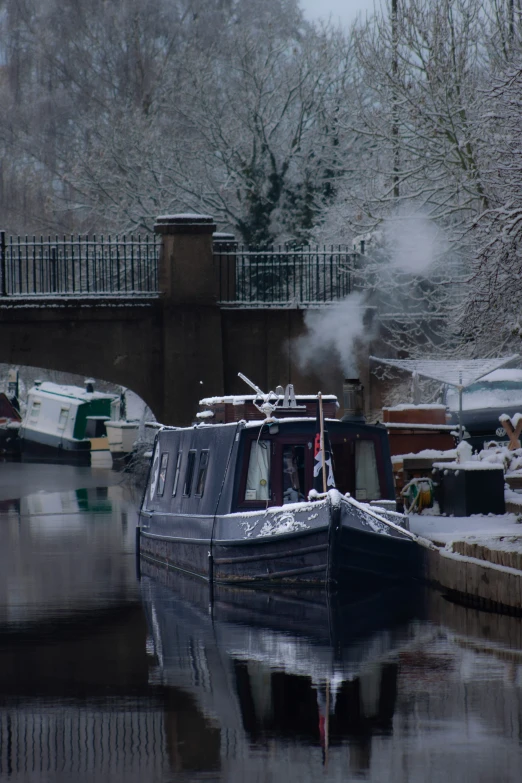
64,423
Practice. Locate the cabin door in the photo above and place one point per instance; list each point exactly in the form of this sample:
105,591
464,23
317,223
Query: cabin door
344,466
292,470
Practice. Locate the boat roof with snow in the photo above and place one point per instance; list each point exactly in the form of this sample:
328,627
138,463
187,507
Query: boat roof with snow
242,464
50,390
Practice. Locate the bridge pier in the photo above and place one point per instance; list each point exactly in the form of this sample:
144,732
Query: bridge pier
192,332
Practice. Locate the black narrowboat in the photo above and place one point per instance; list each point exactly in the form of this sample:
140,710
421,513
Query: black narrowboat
234,501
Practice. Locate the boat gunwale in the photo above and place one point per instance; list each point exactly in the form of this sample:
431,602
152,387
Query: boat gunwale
240,541
296,534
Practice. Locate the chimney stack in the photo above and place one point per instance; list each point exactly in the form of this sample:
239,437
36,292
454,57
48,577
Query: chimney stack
353,400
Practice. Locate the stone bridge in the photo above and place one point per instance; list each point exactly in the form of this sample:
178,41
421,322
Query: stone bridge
171,349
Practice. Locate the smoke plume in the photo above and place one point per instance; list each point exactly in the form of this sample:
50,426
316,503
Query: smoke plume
412,242
334,332
408,245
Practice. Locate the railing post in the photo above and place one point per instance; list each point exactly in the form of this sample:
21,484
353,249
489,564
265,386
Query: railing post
3,265
53,276
225,250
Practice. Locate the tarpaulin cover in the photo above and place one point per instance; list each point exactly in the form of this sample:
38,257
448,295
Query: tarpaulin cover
454,372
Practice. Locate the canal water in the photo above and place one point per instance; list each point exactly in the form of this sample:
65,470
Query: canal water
110,674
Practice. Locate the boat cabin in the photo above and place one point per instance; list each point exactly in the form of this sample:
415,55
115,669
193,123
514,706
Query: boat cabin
65,419
245,465
232,502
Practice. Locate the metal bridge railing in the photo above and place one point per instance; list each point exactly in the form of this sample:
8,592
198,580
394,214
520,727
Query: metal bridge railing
283,277
78,266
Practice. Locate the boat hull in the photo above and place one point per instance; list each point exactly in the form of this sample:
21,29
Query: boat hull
68,454
9,442
297,558
297,547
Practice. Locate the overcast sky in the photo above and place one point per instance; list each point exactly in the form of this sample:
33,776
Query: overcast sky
345,10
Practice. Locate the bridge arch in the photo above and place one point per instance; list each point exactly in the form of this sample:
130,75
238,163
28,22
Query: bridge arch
171,345
137,407
119,345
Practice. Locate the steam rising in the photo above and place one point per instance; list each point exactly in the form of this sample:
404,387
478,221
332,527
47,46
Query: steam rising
407,243
413,242
333,330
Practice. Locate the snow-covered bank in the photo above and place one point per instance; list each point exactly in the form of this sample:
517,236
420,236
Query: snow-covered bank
443,530
478,559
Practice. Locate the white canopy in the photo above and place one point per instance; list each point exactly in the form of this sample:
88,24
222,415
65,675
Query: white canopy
454,372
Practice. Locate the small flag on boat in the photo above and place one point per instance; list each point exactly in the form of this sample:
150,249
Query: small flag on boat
318,458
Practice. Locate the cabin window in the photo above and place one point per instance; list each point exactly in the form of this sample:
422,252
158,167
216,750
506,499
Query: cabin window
189,475
202,473
176,474
293,474
366,474
162,473
35,411
258,477
64,415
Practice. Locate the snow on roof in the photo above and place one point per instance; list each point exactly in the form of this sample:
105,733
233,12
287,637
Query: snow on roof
454,372
502,375
477,399
253,423
408,407
425,454
185,216
471,465
407,425
240,399
74,392
121,425
277,420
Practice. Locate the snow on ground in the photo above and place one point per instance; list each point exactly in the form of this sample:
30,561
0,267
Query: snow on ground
443,530
501,532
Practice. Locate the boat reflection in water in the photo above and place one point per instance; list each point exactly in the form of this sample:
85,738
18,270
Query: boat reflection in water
305,668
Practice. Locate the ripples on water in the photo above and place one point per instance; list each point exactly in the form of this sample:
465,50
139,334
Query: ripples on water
104,677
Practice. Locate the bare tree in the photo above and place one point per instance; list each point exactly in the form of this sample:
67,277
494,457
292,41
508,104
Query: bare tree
416,85
262,116
416,179
86,66
491,321
118,111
